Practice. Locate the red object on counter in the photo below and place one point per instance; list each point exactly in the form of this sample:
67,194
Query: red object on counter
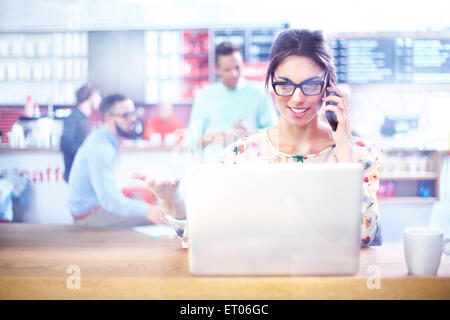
157,125
139,193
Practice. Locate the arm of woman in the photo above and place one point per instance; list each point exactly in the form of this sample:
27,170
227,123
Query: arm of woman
370,157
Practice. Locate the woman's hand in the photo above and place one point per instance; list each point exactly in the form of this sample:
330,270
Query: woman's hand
342,111
167,192
342,135
216,137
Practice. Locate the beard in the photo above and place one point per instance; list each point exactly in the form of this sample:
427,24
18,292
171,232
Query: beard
126,134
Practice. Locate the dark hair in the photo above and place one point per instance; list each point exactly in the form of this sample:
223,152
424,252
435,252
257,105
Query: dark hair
85,92
110,101
303,43
225,48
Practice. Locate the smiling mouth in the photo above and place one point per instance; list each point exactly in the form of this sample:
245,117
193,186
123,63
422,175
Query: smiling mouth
298,110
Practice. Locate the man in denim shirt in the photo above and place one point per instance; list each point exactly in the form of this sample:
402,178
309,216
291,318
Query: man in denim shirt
94,198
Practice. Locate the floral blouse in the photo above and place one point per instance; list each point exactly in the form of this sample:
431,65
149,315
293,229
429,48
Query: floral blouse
259,148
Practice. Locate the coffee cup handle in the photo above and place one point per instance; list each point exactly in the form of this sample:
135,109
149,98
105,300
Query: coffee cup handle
444,248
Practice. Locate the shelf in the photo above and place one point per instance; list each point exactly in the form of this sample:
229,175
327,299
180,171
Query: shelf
413,200
27,58
42,57
195,55
407,150
25,81
409,176
195,78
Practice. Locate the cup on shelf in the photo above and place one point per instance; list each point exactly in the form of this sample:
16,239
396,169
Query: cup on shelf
2,72
423,164
413,163
37,71
43,48
29,48
423,248
170,139
4,48
11,70
155,139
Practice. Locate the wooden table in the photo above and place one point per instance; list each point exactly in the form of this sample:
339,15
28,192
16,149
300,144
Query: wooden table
124,264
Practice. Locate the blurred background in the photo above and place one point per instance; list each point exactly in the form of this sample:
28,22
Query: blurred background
393,59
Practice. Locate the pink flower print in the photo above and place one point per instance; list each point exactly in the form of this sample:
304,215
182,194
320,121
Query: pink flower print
373,177
366,240
366,179
277,159
360,143
238,149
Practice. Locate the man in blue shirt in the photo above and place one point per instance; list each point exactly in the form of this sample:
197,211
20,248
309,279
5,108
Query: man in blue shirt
229,109
94,198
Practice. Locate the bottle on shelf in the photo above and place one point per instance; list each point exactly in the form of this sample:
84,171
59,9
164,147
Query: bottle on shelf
28,110
424,189
37,111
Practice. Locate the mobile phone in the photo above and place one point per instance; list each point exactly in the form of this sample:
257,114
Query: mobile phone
331,116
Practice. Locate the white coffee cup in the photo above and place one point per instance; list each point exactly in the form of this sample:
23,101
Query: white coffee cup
423,249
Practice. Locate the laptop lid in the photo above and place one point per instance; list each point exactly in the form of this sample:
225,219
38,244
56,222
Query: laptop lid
266,219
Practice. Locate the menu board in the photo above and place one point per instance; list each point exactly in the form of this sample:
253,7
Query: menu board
363,61
396,60
254,43
236,36
259,45
423,60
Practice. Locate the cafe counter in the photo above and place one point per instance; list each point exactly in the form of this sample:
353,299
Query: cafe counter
48,195
68,262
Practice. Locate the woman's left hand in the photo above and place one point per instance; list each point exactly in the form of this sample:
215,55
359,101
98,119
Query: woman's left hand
342,110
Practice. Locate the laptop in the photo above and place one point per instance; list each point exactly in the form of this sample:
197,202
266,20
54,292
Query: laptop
274,219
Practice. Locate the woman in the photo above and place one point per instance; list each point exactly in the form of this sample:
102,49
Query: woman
301,73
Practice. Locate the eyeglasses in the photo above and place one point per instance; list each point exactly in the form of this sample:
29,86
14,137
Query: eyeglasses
307,87
126,115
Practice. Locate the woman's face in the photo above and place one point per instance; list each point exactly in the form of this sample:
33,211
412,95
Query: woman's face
298,109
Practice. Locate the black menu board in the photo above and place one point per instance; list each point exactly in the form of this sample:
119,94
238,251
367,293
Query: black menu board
423,60
259,45
236,36
363,61
340,58
396,60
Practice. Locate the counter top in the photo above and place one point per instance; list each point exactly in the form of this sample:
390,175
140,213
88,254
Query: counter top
124,264
126,148
145,146
26,150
